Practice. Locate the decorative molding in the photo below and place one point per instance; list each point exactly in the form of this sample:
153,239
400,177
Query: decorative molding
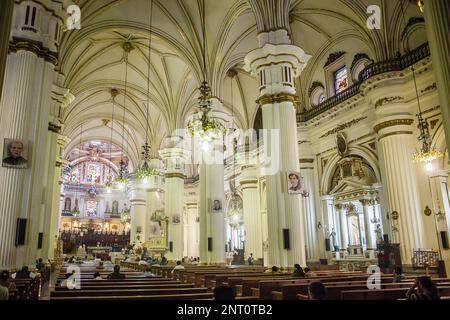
105,122
54,128
358,57
276,98
373,145
175,175
391,123
382,101
36,47
433,123
303,141
306,160
343,126
333,57
315,85
393,134
429,88
411,22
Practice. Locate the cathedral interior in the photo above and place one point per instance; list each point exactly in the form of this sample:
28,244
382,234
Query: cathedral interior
230,135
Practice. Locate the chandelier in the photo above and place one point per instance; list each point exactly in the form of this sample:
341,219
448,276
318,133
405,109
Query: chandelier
122,179
427,152
144,171
202,126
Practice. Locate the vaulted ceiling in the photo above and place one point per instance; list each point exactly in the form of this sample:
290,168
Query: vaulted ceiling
94,62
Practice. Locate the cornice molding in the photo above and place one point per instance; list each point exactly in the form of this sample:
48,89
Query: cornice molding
276,98
333,57
392,123
54,128
37,48
386,100
343,126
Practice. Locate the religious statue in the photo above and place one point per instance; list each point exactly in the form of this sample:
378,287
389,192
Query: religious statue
67,204
333,240
115,207
379,234
107,210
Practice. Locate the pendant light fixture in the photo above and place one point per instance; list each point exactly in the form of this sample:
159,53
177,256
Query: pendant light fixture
202,126
122,179
109,178
427,153
144,170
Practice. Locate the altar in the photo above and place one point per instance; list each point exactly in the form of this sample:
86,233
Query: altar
98,249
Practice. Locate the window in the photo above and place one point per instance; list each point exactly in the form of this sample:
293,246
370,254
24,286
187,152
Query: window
340,80
321,98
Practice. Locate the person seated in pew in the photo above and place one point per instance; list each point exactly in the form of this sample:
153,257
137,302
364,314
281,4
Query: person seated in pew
40,264
309,272
398,275
116,273
24,273
100,265
298,272
148,273
142,263
97,276
6,285
178,266
164,261
224,293
274,269
194,262
423,289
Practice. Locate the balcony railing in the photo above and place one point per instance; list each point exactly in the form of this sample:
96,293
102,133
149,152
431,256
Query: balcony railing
396,64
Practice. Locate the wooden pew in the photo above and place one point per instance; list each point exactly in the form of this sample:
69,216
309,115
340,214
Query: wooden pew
181,296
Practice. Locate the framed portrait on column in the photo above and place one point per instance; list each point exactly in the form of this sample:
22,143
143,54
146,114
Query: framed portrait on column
15,153
294,182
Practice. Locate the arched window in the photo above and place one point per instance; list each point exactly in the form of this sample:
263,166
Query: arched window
258,122
360,61
316,94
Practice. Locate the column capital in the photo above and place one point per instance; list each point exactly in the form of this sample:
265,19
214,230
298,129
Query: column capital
365,202
281,54
338,206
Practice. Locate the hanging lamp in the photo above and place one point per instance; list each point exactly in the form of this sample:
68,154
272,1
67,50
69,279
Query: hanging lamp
109,178
202,126
427,153
122,179
144,170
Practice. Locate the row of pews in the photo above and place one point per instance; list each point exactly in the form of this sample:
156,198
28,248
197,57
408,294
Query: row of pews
249,283
255,284
134,287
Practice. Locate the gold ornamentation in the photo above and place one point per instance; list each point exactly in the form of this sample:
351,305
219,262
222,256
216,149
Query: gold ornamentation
382,101
427,211
276,98
430,87
391,123
394,215
175,175
343,126
33,46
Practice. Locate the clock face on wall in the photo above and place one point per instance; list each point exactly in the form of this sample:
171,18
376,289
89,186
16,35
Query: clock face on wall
341,144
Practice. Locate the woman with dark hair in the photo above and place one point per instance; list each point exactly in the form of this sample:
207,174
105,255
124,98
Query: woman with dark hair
298,272
423,289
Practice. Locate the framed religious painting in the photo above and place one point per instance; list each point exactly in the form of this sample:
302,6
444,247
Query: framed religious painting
294,182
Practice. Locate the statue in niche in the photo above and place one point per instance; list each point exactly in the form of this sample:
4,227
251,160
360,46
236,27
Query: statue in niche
76,209
115,207
379,234
68,204
107,210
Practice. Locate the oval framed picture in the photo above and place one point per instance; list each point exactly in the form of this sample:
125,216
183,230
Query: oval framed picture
341,144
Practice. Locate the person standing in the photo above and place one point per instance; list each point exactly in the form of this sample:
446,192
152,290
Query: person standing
250,259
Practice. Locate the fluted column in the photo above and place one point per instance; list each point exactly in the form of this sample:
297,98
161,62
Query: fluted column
439,192
368,226
396,147
252,213
174,158
6,14
341,215
154,188
277,65
437,25
212,224
312,241
138,213
191,229
25,114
